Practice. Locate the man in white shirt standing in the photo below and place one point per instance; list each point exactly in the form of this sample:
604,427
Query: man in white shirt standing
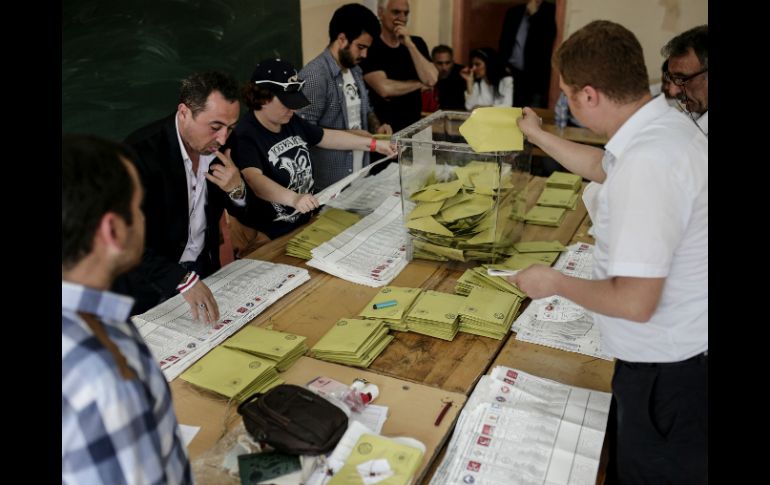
649,293
688,73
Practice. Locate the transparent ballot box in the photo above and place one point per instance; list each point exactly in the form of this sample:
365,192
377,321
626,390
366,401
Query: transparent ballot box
459,205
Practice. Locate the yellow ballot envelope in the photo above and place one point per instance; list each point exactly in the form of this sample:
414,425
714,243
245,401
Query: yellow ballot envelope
493,129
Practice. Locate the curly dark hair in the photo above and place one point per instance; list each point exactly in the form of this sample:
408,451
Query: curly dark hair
353,19
608,57
196,88
95,181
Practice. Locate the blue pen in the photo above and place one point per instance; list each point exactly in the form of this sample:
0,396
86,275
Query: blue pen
384,304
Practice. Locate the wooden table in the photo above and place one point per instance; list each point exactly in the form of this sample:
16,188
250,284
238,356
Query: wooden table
448,367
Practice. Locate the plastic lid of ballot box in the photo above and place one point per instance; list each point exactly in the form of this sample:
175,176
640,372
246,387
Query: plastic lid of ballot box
459,205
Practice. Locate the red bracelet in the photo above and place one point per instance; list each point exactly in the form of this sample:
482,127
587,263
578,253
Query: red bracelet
373,145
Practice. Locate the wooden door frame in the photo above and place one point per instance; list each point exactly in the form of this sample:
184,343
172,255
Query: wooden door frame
460,25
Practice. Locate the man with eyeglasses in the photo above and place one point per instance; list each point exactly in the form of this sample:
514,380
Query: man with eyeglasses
398,67
649,291
188,183
334,85
688,64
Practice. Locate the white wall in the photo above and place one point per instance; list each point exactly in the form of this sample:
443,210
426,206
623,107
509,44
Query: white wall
654,22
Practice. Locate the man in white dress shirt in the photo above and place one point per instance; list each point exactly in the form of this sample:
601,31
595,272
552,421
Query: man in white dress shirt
649,291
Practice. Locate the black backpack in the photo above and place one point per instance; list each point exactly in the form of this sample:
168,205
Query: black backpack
294,420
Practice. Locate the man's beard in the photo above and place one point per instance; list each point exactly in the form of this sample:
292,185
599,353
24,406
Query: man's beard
346,58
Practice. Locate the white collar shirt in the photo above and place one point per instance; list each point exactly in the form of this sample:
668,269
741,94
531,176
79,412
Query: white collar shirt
652,222
197,191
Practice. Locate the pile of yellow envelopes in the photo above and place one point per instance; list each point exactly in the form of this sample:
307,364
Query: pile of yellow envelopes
281,347
329,223
521,255
233,373
467,218
489,312
560,194
435,314
352,341
392,314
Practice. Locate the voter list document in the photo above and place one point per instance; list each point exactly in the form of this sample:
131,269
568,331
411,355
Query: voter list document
367,193
371,252
517,428
243,289
558,322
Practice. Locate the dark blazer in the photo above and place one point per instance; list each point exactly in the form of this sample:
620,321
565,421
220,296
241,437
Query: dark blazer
536,76
158,160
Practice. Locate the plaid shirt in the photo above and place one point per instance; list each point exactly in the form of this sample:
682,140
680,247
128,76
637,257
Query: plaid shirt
323,88
114,430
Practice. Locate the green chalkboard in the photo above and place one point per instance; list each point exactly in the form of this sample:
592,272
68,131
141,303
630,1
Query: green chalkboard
122,60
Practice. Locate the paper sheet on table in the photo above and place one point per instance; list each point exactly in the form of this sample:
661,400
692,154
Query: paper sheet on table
493,129
334,189
188,433
375,459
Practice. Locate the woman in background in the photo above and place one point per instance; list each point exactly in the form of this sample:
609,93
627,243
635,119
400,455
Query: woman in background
488,81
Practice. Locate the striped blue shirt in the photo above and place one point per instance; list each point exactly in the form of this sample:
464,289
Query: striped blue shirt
114,430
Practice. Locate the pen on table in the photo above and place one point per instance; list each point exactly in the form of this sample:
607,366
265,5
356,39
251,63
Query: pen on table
442,413
384,304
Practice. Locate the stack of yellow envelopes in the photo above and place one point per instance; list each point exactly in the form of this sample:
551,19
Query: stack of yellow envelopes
564,180
488,312
280,347
545,216
435,314
392,315
478,278
553,197
353,341
378,459
539,247
330,223
233,373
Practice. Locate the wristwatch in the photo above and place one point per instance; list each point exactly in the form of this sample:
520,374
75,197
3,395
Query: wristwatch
238,192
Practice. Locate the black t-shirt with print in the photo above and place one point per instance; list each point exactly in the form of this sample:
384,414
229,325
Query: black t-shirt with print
400,111
283,157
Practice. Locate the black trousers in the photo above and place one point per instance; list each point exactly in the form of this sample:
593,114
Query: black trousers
659,423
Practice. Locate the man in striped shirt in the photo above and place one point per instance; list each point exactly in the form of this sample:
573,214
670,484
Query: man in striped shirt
118,422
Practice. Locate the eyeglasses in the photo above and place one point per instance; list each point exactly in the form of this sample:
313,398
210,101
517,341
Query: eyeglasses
289,87
682,80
